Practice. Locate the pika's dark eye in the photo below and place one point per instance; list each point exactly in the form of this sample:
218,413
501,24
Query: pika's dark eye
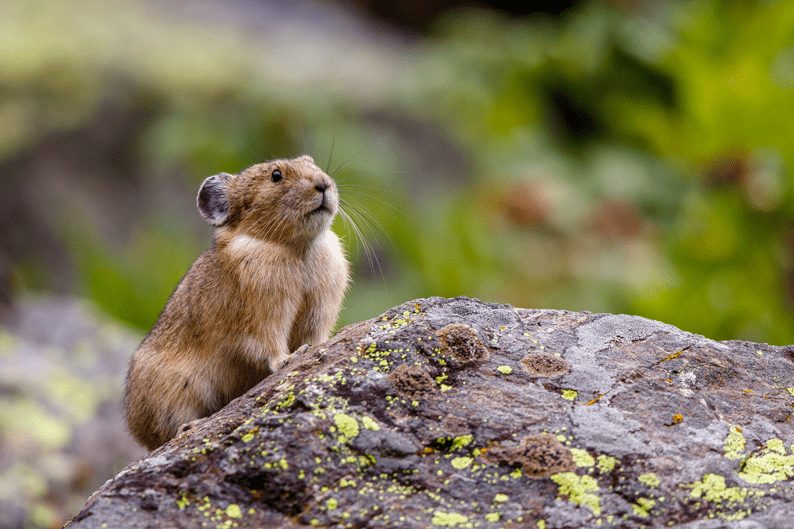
276,175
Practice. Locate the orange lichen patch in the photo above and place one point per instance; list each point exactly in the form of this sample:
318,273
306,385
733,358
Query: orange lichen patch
539,455
545,365
461,343
674,355
593,401
677,418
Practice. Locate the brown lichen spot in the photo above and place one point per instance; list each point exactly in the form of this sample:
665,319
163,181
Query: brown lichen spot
412,382
460,342
455,426
545,365
539,455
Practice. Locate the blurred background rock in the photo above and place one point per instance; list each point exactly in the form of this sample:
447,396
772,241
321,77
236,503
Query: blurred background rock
620,156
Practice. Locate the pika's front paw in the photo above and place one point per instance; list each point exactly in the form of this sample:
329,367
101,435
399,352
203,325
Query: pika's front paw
276,362
302,349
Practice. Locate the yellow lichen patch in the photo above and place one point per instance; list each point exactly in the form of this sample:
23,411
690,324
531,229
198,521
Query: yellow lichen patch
369,423
461,441
500,498
344,482
505,370
649,479
734,444
347,426
461,462
581,458
569,394
712,488
579,489
448,519
233,511
606,463
772,465
642,507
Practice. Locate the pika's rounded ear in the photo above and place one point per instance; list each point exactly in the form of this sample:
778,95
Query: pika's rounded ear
212,201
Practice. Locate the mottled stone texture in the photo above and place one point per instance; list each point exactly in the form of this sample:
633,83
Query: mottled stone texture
459,413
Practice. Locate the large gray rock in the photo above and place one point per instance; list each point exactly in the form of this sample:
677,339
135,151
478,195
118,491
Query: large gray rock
458,413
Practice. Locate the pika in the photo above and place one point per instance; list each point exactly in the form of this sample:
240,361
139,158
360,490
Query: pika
273,280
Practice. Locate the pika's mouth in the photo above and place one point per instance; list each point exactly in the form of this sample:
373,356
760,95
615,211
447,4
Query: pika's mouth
320,210
324,207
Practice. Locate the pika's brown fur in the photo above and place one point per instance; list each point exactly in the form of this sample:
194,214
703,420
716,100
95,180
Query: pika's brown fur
272,281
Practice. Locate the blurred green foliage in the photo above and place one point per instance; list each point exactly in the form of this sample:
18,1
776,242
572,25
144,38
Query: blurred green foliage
629,161
615,159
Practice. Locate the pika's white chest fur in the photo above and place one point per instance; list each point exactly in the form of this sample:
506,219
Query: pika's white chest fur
261,263
293,286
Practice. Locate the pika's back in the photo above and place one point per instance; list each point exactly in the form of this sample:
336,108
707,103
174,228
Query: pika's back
274,279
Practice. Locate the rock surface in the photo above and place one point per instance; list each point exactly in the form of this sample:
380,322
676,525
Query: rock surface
459,413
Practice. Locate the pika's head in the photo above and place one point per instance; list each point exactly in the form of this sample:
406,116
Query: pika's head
277,200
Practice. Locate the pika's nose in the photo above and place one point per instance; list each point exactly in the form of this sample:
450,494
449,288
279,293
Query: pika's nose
322,186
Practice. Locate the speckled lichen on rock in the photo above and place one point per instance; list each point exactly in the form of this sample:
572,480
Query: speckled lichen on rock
423,430
579,489
734,443
729,503
773,464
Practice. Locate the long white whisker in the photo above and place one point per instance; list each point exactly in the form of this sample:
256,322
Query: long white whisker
368,219
345,163
368,250
377,200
